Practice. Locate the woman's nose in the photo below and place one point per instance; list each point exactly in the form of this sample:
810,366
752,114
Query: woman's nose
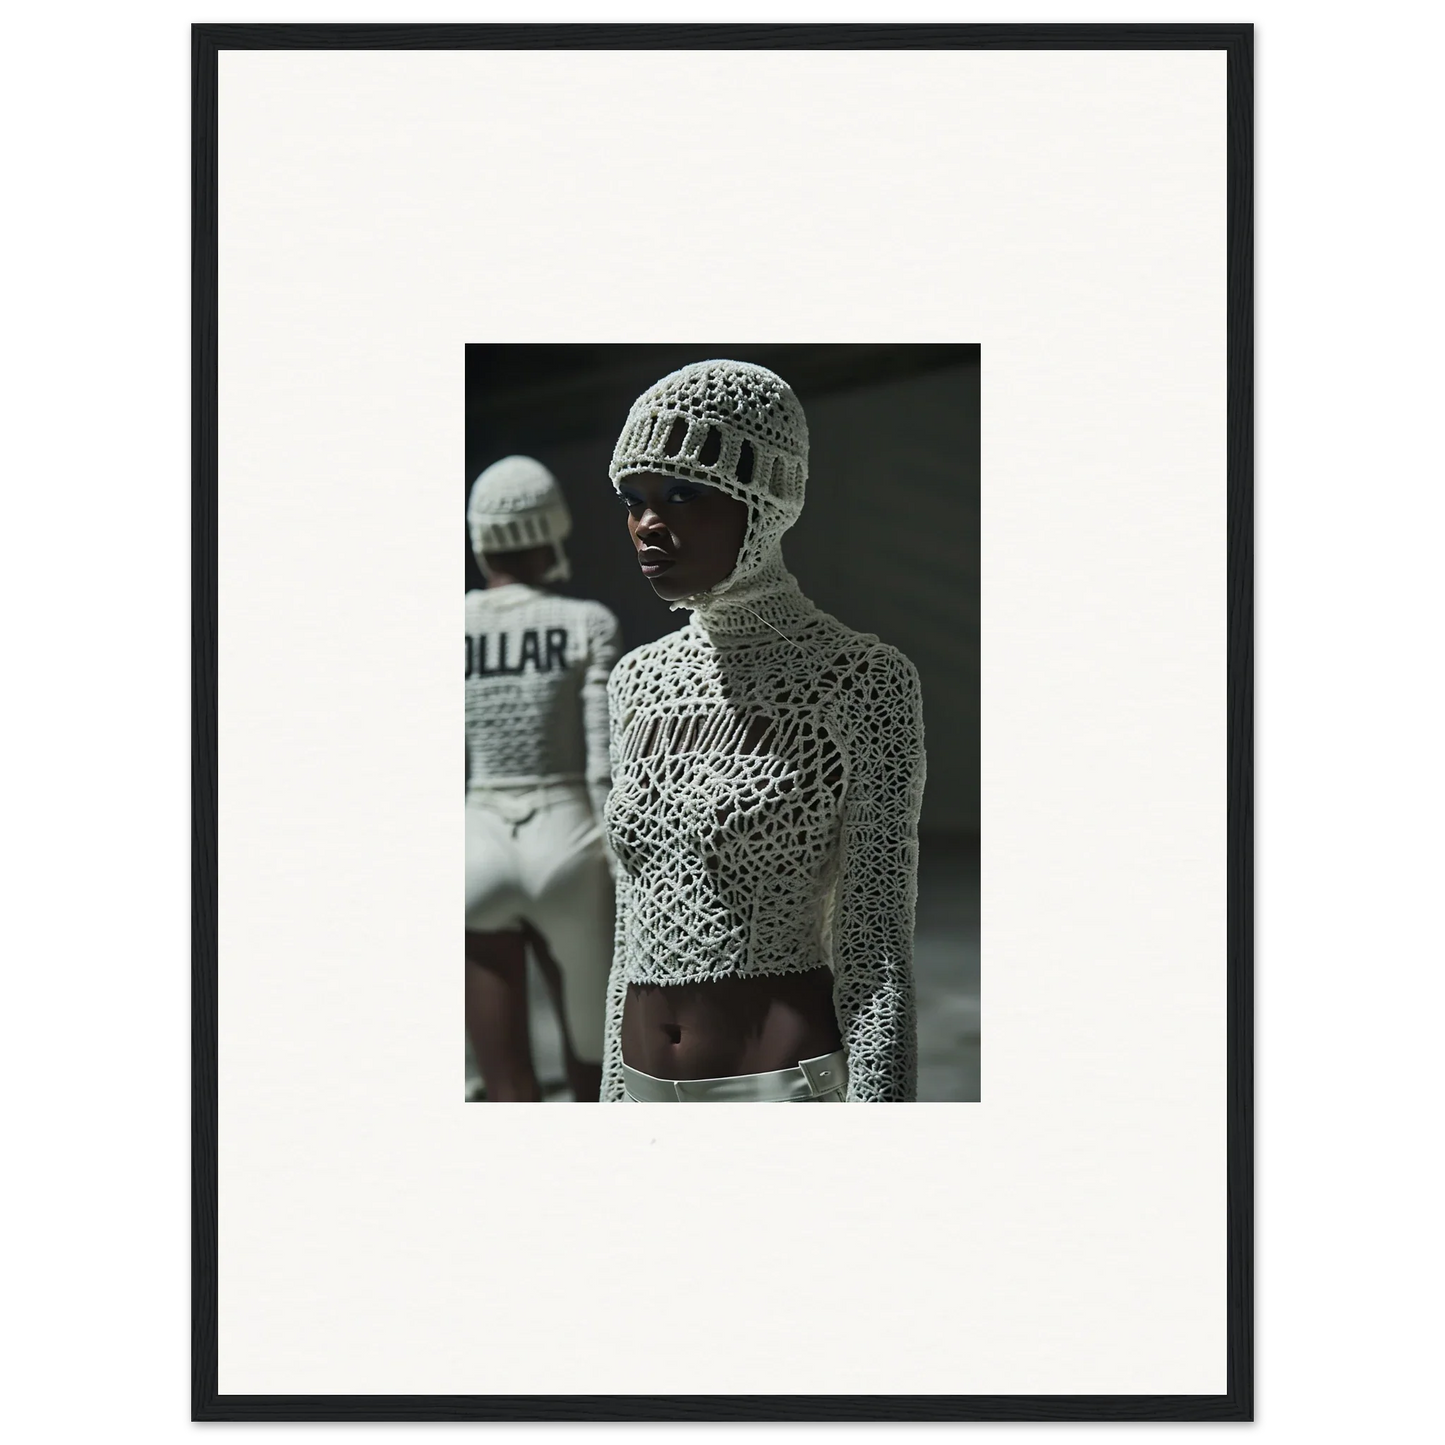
649,523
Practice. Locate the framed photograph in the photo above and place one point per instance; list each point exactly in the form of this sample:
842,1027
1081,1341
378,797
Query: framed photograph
551,415
854,426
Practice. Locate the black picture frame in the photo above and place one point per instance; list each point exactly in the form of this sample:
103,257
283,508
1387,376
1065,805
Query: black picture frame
1236,1403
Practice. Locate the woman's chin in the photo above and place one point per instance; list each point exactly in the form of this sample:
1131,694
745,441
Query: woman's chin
672,588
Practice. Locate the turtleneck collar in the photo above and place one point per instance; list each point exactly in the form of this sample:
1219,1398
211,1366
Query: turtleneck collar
766,603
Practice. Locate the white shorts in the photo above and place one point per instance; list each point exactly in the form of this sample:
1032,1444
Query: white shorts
535,855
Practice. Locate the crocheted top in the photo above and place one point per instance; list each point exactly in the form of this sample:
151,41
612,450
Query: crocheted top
537,667
768,768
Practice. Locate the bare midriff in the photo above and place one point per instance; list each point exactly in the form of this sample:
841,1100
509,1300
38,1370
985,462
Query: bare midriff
729,1026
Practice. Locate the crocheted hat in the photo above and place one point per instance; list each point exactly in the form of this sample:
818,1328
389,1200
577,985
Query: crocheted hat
730,425
515,504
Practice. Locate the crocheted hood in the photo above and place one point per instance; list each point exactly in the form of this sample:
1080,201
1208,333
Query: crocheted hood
514,504
739,428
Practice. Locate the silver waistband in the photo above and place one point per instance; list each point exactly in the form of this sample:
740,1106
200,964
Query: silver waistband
822,1079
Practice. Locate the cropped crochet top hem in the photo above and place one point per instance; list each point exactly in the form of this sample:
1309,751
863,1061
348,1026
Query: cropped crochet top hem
543,781
673,972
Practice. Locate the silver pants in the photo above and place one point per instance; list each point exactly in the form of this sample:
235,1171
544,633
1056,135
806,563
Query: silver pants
823,1080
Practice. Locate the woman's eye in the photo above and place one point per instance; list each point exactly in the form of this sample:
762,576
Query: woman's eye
684,494
628,500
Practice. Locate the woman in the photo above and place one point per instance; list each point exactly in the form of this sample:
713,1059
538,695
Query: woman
537,770
767,767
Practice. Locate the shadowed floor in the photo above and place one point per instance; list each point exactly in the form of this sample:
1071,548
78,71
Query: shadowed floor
946,967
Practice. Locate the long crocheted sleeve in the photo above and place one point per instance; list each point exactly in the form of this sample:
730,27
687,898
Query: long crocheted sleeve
612,1084
877,884
613,1090
604,641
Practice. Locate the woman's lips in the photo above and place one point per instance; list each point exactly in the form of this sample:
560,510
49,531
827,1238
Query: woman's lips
654,562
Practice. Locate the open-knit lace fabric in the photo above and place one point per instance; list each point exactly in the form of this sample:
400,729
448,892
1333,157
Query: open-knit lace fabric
537,667
767,761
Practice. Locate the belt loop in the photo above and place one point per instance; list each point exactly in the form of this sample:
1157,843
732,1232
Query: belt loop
677,1091
825,1075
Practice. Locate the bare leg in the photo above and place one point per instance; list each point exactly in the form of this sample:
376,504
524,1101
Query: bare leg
497,1024
584,1079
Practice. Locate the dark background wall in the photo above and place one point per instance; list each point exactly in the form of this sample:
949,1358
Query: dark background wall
889,537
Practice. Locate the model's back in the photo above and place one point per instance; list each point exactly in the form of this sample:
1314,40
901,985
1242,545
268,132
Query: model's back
536,683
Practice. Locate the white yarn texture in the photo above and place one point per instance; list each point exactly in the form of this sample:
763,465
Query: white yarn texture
767,761
514,504
536,689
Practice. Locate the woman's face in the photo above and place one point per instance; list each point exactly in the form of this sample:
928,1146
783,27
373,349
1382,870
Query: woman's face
687,535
